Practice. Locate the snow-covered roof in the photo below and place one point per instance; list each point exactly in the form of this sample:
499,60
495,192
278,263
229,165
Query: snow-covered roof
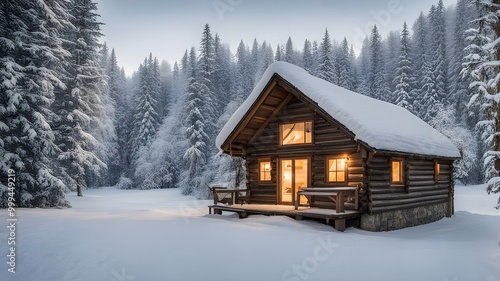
380,125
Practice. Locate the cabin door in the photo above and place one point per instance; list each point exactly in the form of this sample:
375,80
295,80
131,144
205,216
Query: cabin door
294,174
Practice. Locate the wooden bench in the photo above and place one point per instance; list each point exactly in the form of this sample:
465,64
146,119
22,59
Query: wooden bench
230,196
336,194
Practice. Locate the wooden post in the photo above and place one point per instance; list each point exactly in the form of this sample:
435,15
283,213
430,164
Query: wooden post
340,224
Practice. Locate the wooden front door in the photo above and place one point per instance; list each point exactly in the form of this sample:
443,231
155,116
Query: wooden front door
294,174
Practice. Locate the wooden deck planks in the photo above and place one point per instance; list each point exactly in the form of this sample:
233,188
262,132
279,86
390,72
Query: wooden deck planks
245,210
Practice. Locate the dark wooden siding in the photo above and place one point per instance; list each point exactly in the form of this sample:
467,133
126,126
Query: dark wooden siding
419,188
328,140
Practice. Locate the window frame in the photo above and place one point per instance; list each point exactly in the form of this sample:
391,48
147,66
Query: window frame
401,171
327,169
280,133
261,161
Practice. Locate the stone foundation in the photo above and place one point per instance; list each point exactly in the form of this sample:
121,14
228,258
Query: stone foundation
404,218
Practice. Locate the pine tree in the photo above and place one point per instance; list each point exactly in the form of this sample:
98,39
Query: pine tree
437,50
344,66
145,120
80,107
195,155
352,61
289,52
123,116
482,64
363,69
326,69
392,49
307,57
420,57
279,53
378,86
31,60
206,66
459,85
401,95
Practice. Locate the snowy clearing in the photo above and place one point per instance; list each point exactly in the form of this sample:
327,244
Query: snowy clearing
125,235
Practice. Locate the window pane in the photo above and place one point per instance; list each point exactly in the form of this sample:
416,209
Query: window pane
265,171
396,171
340,176
336,170
296,133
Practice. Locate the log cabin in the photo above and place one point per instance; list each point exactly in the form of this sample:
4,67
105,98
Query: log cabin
298,132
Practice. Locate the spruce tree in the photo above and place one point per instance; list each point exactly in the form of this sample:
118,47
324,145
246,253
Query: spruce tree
289,52
481,63
345,66
31,67
80,107
437,50
401,95
206,66
195,155
378,86
307,57
326,68
146,119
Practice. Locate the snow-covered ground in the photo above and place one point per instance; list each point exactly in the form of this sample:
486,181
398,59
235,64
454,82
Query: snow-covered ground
120,235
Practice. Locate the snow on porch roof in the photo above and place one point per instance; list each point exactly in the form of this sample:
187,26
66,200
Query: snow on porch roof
381,125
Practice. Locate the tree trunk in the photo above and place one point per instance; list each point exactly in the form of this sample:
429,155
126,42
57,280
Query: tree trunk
79,190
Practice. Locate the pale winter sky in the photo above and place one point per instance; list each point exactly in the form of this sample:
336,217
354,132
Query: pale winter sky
168,27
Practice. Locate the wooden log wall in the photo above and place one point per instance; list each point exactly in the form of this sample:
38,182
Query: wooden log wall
420,187
328,140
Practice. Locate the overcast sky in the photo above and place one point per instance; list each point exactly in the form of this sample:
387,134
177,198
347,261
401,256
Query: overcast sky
168,27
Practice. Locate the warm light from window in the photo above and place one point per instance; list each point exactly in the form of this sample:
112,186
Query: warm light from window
337,170
437,171
296,133
397,171
265,171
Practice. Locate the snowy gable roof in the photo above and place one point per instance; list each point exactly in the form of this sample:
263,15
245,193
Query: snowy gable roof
380,125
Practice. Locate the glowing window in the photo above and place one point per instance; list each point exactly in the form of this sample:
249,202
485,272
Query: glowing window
397,171
296,133
437,171
337,170
265,171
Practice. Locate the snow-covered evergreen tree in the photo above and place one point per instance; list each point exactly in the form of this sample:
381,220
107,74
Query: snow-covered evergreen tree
307,57
437,50
419,51
401,96
206,66
145,120
31,61
121,101
458,84
482,63
344,66
363,67
196,153
326,68
378,85
80,107
279,56
289,52
391,48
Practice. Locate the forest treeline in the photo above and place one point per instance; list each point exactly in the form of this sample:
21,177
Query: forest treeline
71,119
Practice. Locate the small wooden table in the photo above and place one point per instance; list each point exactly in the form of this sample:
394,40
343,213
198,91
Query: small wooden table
334,193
